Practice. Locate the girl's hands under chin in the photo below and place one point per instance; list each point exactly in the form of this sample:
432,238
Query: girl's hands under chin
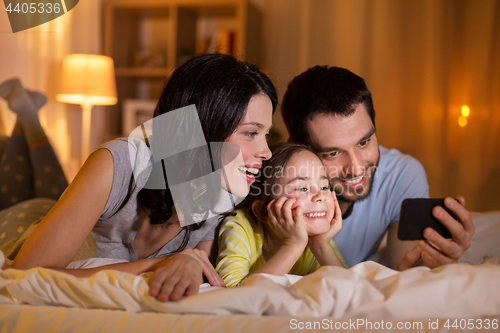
335,225
286,223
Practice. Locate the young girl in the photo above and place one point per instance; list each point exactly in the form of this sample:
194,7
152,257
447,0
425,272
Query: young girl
287,222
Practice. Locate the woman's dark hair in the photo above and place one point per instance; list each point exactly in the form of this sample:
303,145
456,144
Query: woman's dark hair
263,187
220,87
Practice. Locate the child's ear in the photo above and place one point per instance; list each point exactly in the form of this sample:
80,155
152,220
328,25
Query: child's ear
258,212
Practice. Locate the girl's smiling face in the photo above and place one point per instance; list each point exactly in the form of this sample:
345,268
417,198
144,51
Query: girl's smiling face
304,178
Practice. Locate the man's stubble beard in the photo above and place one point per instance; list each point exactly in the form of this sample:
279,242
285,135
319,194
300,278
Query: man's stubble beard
340,190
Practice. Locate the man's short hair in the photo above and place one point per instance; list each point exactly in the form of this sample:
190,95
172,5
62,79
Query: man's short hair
326,90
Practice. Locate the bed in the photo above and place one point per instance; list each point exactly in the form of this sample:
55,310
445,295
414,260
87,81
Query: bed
366,297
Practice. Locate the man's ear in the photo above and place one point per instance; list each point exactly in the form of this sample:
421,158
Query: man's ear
257,210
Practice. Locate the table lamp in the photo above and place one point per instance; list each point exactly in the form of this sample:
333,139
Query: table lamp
88,80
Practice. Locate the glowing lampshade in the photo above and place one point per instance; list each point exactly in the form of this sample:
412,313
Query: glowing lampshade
88,80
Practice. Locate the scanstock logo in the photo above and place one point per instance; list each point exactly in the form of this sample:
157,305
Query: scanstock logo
26,14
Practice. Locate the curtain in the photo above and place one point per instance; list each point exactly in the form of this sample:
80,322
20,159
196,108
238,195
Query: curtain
35,56
422,60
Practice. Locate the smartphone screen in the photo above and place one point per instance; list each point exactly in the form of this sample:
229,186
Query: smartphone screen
416,215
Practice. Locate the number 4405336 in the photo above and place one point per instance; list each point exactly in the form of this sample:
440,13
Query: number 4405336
471,324
34,7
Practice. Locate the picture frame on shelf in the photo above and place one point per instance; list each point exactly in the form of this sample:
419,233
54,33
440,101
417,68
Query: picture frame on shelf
135,113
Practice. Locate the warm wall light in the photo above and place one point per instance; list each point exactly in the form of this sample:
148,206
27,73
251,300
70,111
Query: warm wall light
465,111
462,121
88,80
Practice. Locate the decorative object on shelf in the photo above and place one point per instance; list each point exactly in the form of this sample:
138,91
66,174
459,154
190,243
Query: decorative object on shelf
135,113
148,58
88,80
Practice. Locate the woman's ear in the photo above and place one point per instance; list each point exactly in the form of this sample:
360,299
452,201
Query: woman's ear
258,211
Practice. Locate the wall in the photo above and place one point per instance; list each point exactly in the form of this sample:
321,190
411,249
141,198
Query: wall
35,56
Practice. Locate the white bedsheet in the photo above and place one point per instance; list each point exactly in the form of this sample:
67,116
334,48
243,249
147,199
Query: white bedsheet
367,290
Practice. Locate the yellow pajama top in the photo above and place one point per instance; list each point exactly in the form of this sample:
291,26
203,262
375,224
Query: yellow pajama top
240,251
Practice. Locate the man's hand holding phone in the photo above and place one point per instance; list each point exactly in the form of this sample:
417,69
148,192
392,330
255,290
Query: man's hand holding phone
436,250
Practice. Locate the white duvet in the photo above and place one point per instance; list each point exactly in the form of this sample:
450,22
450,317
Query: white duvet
367,290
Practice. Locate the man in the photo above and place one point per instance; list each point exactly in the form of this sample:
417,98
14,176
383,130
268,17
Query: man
331,109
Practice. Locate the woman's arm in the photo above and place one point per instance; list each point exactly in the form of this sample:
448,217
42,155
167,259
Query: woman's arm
206,246
61,233
59,236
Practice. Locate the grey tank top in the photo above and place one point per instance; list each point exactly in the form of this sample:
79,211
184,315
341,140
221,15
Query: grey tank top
114,232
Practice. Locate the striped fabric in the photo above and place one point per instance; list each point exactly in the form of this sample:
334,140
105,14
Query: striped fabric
240,251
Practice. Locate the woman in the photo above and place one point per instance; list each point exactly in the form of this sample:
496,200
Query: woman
235,103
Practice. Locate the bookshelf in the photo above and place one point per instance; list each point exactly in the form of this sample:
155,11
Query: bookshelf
147,39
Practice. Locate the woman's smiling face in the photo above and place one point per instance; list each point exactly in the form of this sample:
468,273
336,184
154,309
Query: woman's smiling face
250,136
304,178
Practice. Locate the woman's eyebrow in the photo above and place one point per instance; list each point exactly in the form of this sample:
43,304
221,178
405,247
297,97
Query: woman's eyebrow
259,125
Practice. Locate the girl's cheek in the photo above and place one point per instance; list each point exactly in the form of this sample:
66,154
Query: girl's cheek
297,203
331,208
292,194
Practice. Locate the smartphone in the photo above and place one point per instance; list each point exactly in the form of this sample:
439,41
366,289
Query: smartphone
416,215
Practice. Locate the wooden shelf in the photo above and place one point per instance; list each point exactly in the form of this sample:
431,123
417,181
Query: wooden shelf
143,72
142,33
